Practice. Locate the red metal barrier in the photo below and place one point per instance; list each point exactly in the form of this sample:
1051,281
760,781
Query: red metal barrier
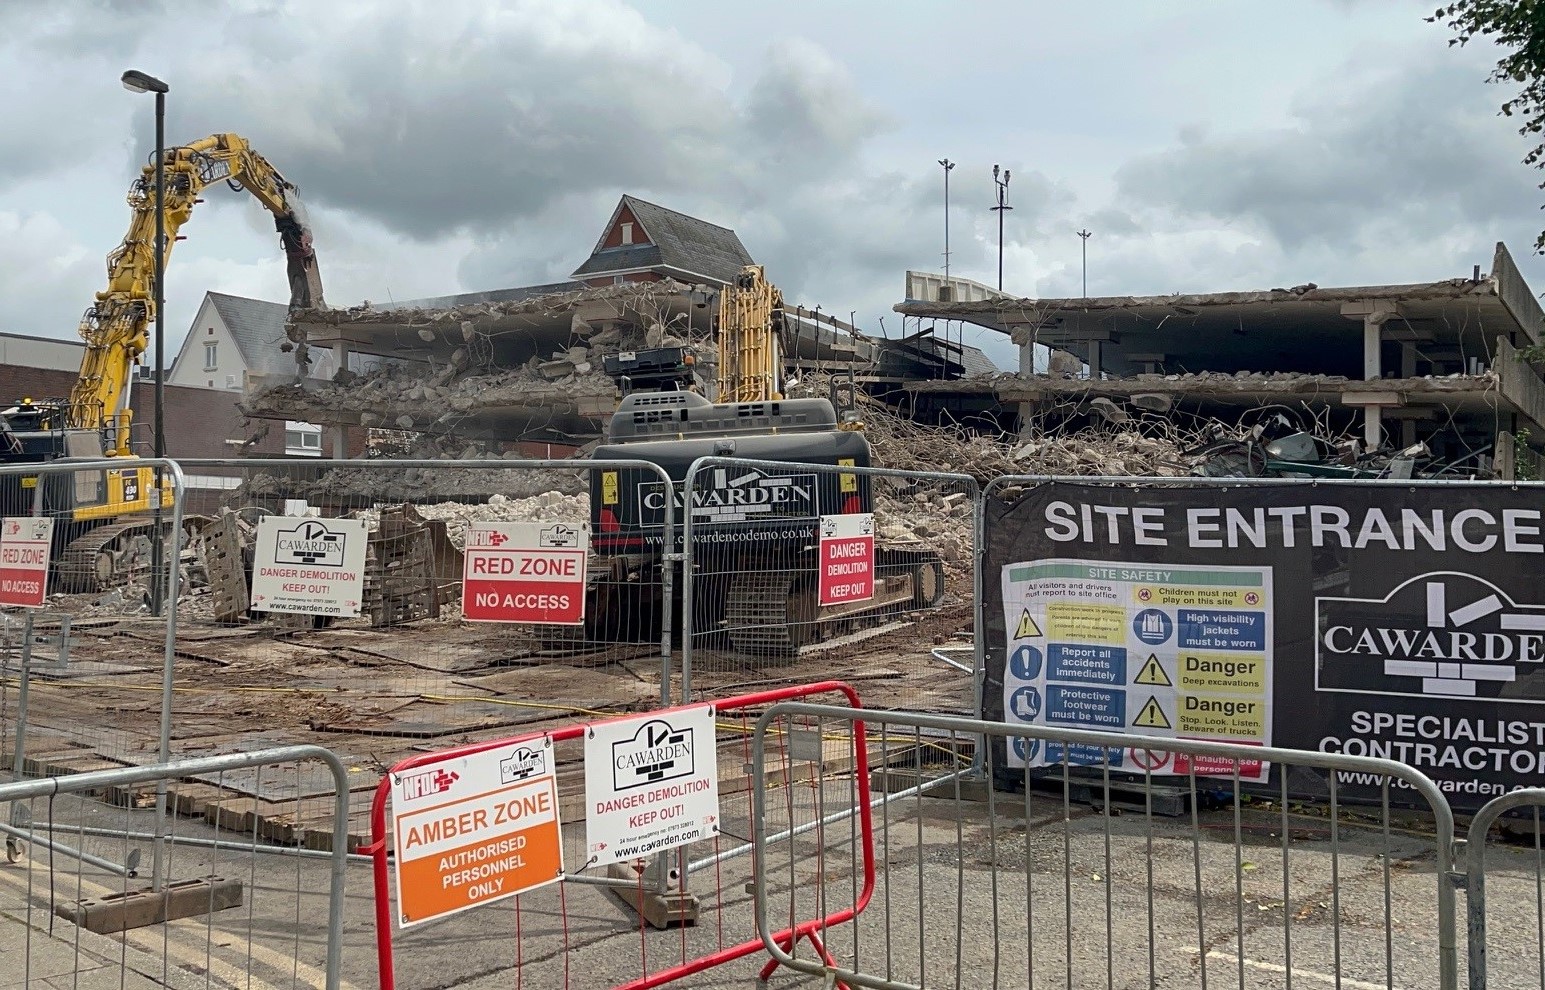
378,848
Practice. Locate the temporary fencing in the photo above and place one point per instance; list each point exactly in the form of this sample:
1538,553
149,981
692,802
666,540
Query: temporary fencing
1518,874
689,908
1115,879
788,565
80,908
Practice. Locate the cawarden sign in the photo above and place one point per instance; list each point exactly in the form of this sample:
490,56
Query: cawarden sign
24,550
307,566
847,558
475,829
729,494
651,783
525,572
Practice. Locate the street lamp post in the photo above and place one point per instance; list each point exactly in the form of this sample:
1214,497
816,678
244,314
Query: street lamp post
1084,235
1002,208
948,167
138,82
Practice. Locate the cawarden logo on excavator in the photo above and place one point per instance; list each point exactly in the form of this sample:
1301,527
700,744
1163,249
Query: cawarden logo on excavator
724,495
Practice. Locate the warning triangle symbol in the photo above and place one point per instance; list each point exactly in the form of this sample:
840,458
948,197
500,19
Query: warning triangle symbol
1152,716
1027,627
1153,673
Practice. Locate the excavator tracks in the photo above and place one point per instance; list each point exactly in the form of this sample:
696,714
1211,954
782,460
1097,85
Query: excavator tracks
109,556
776,613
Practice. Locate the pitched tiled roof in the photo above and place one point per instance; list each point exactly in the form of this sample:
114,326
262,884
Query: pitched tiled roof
257,327
686,244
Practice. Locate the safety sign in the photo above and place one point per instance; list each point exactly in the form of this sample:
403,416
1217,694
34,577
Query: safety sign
525,572
25,542
1145,649
651,783
475,829
309,566
847,558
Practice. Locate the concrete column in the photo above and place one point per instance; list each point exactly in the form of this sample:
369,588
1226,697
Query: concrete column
341,355
340,442
1407,370
1094,360
1373,313
1023,334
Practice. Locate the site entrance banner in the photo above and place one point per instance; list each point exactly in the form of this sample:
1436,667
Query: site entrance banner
1374,619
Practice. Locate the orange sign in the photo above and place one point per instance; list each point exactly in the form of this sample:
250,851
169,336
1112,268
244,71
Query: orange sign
475,829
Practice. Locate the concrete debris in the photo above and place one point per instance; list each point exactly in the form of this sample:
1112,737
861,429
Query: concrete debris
348,486
550,506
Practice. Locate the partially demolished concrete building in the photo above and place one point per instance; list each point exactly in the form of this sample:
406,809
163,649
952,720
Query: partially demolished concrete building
520,370
1443,363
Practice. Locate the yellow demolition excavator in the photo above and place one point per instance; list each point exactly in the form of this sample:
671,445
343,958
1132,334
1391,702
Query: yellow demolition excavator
104,526
754,528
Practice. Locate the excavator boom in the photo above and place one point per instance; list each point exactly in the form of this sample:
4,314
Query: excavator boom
115,327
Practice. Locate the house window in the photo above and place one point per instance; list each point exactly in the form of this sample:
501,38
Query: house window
627,233
619,279
211,356
302,440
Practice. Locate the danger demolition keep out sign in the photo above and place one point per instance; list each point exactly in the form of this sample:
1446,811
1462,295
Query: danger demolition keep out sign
525,572
651,783
475,829
308,566
847,558
24,551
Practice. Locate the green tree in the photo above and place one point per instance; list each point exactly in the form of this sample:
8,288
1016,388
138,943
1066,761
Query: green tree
1518,28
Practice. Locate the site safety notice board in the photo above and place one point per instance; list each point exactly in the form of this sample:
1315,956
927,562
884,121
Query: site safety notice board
1372,619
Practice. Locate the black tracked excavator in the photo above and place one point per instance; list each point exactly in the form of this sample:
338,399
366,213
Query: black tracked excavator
754,530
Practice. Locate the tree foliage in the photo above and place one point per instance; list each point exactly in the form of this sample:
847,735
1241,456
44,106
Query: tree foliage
1518,28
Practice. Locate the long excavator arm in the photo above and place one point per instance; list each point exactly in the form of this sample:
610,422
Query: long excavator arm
115,327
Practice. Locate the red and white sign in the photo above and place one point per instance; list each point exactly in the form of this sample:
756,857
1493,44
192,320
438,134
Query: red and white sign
847,558
475,829
525,572
307,566
25,542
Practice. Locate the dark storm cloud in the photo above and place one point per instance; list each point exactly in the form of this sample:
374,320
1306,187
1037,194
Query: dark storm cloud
1419,147
430,122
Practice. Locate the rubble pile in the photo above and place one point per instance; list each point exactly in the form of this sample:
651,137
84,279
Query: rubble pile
549,506
1106,453
939,518
414,485
396,398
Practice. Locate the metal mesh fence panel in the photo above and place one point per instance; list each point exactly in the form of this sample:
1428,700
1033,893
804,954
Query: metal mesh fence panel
111,530
98,890
589,929
1119,880
800,571
1505,892
423,662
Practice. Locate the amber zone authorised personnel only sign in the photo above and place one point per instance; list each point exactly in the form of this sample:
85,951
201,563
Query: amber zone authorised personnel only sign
475,829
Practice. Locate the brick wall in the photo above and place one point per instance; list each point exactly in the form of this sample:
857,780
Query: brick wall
198,420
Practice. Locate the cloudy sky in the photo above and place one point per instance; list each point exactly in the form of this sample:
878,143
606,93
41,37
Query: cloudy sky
449,145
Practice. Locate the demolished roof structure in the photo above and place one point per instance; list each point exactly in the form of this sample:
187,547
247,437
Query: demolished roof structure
1433,362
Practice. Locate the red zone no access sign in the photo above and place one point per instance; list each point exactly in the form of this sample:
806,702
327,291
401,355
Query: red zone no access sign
24,551
525,572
